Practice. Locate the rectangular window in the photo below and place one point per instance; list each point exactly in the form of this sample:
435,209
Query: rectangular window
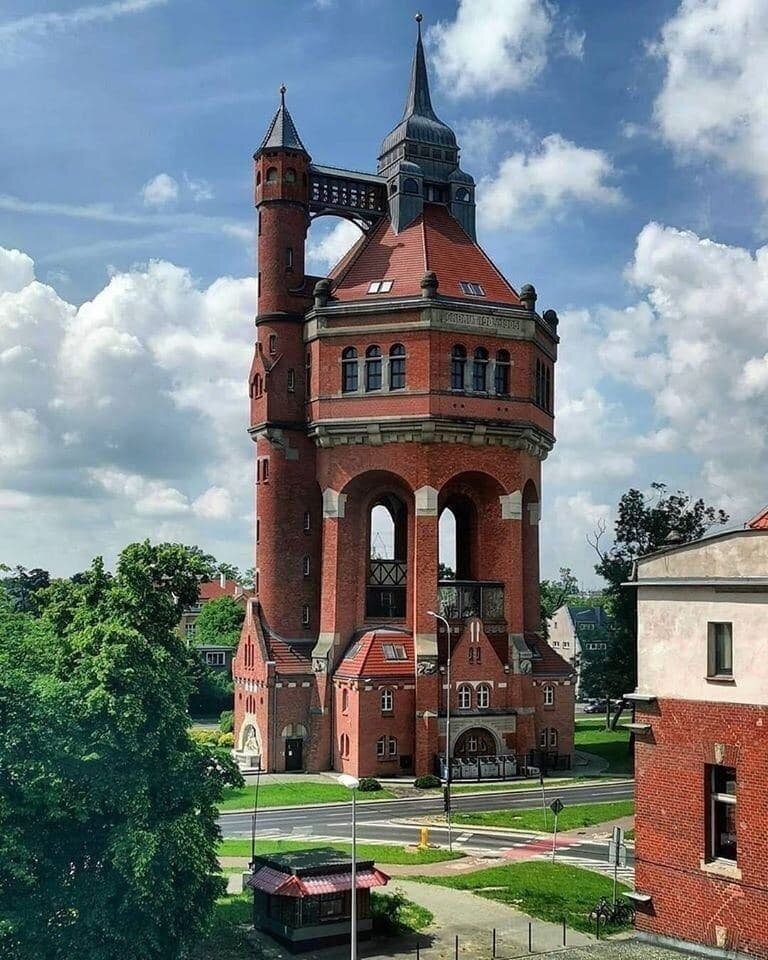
215,659
394,651
380,286
189,630
258,530
381,748
472,289
265,469
307,521
291,380
392,747
720,657
305,615
305,566
721,787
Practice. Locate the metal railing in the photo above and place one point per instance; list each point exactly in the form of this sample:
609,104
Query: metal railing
463,599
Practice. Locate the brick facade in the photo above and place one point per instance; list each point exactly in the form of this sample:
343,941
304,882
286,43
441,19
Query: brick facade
691,900
312,665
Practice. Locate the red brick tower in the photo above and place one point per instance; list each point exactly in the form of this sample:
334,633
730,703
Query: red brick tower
413,380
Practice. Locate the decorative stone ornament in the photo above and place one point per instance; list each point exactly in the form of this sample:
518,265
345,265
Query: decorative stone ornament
322,292
429,284
528,296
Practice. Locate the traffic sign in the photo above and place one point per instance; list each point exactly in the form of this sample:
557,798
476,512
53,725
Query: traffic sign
617,854
556,806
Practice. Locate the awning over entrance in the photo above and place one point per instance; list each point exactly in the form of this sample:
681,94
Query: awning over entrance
273,881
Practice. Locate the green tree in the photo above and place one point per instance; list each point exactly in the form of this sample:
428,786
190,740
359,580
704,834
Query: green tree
230,571
108,809
23,586
554,593
644,523
219,622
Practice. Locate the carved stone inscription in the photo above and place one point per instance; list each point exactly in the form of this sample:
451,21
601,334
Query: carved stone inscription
476,320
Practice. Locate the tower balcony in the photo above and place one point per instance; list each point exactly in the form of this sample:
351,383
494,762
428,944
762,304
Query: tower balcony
460,600
385,591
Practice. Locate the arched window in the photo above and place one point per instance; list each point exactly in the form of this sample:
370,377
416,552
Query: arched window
393,746
397,367
344,745
410,185
305,563
373,368
381,748
501,375
272,175
549,696
483,696
387,701
547,388
458,366
552,737
480,371
475,654
290,175
462,194
272,344
465,697
348,370
289,258
344,699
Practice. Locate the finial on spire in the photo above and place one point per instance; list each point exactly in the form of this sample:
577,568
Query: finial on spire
283,88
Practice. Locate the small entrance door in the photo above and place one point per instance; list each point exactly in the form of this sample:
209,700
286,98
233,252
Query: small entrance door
293,753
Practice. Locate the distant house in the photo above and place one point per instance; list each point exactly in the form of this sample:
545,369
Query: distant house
213,655
574,631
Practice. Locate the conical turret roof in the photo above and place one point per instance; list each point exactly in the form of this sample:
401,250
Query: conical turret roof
282,132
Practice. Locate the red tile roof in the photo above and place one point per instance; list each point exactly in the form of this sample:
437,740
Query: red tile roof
434,241
365,656
290,885
760,522
214,590
546,661
289,658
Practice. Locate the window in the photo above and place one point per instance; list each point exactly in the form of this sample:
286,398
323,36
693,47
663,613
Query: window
291,380
483,696
344,744
344,700
305,615
720,659
289,258
480,371
258,530
475,654
189,630
458,365
465,697
290,175
380,286
387,701
394,651
256,582
349,370
396,367
215,658
543,739
373,368
265,469
549,696
381,748
258,177
434,193
272,344
462,195
543,385
552,737
258,216
472,289
307,521
721,787
392,746
501,374
272,175
410,185
305,566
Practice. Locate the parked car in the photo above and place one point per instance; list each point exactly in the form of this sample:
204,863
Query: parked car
596,706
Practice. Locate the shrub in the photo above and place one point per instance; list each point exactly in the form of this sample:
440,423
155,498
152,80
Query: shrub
369,785
210,737
227,740
227,721
427,782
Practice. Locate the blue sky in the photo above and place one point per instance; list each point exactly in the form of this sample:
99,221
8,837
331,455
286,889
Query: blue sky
622,165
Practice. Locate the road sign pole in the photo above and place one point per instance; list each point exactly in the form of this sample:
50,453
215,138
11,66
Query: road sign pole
543,799
554,840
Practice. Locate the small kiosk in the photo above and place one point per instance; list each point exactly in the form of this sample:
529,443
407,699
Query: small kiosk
303,898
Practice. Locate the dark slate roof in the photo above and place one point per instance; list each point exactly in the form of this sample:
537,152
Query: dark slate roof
282,131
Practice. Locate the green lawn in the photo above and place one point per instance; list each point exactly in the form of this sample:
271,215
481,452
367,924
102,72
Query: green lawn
612,745
394,914
549,891
293,794
529,784
532,818
226,939
380,852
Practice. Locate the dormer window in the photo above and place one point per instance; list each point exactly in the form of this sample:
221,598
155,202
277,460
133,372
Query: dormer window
472,289
380,286
394,651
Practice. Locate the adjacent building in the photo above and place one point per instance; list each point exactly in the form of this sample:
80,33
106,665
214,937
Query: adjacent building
216,656
578,633
701,751
413,383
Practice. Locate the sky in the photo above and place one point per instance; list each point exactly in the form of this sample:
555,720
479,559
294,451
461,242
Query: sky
621,154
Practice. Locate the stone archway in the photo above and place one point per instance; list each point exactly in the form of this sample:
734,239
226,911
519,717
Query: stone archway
473,743
249,750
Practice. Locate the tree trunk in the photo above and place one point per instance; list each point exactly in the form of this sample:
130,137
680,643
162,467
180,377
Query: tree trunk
617,716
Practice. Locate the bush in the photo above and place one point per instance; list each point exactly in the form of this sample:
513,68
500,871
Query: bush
393,914
428,782
227,740
369,785
227,721
210,737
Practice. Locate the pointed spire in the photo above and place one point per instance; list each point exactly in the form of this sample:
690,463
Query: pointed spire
418,102
282,131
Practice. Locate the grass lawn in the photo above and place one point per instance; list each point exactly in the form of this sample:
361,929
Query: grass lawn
226,940
380,852
629,834
612,745
549,891
293,794
532,818
395,914
529,784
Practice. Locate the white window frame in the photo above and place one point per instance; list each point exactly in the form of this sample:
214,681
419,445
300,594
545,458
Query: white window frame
483,696
381,748
553,737
305,615
190,629
380,286
392,746
549,695
387,700
464,697
305,566
215,658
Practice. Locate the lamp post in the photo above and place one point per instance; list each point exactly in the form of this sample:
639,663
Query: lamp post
442,619
352,783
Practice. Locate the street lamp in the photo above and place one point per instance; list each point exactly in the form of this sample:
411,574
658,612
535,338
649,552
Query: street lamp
442,619
352,783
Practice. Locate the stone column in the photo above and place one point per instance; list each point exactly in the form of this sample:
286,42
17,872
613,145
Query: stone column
424,588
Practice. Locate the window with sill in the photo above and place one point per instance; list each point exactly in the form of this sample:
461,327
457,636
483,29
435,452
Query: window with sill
720,652
381,748
483,696
458,366
464,695
387,701
480,371
397,367
501,373
349,370
344,700
549,696
721,791
373,368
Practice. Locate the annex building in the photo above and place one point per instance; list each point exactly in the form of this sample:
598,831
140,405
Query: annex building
413,383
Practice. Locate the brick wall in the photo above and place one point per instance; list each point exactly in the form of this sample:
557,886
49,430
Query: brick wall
672,824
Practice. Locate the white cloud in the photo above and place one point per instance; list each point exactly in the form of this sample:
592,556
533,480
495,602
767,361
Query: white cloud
215,504
16,270
200,189
492,45
326,251
160,191
148,497
713,100
558,174
573,43
40,24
